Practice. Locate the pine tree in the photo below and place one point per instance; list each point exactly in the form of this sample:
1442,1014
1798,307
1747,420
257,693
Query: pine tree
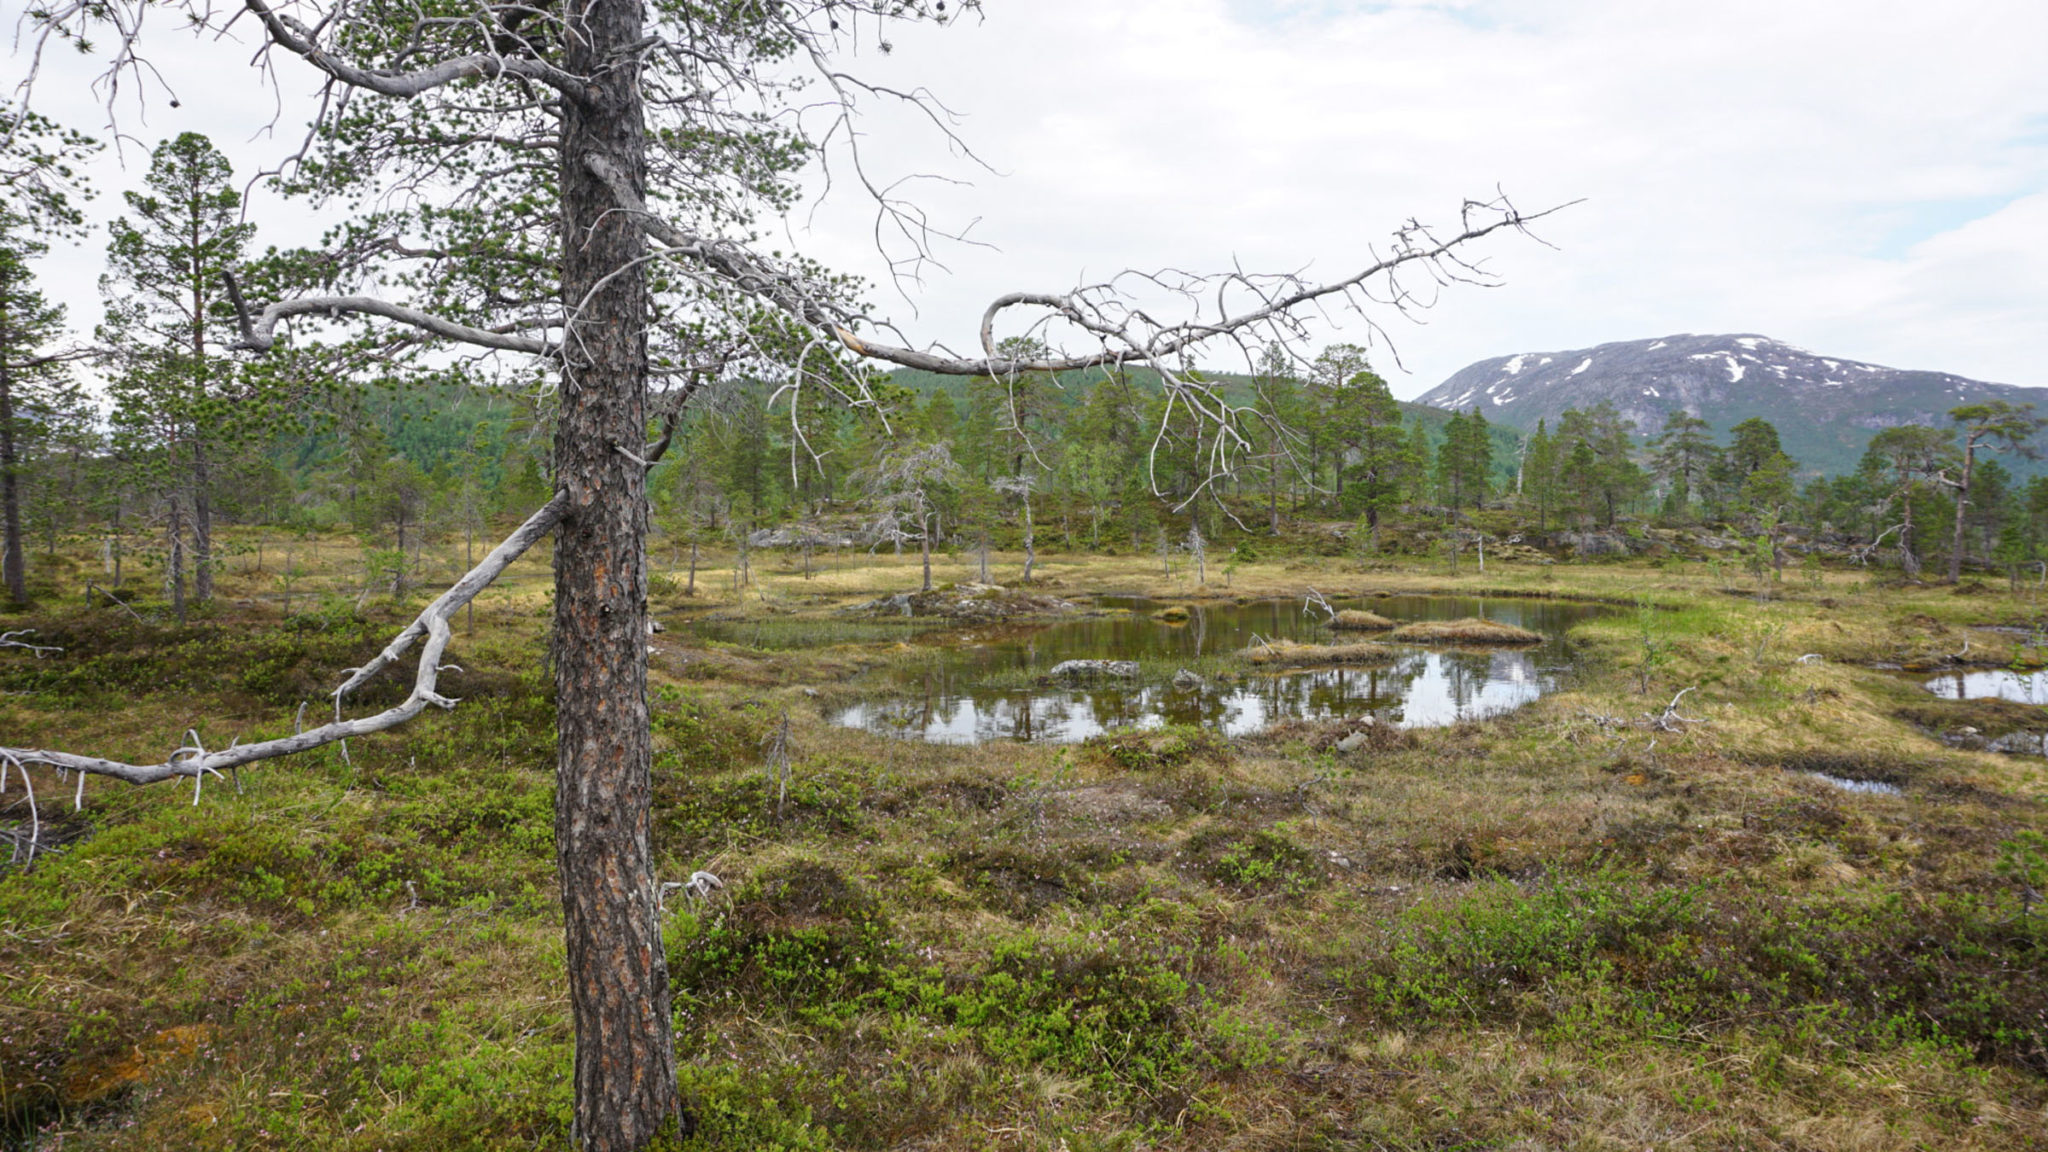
181,406
1611,477
35,390
1995,425
1464,463
1367,425
37,394
1683,456
1539,474
1904,460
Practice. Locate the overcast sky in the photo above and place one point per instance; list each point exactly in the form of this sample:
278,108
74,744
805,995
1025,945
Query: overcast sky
1866,178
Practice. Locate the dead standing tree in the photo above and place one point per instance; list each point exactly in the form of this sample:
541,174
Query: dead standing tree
1020,486
902,483
615,153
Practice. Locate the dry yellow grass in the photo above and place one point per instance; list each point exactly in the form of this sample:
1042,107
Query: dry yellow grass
1289,653
1470,630
1357,620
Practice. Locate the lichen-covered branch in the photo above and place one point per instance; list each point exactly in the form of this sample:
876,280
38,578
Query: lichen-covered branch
259,333
299,40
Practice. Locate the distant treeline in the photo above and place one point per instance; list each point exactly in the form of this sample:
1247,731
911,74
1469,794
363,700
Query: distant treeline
1297,454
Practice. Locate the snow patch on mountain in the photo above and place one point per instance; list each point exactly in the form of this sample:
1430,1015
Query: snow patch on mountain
1823,407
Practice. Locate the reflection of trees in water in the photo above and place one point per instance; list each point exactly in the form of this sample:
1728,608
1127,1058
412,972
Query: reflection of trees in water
1421,688
946,700
2019,687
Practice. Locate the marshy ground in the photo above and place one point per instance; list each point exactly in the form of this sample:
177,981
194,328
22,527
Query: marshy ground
1595,922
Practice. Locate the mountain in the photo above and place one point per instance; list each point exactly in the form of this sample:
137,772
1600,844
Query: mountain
1825,408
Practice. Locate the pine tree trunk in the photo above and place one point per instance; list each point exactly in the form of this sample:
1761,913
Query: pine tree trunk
924,539
625,1077
12,565
202,526
1955,551
1908,562
1273,501
1030,540
177,560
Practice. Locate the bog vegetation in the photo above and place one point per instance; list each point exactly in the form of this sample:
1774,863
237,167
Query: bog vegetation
1598,919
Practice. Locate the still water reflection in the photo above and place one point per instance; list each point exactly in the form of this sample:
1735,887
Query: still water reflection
982,685
1992,684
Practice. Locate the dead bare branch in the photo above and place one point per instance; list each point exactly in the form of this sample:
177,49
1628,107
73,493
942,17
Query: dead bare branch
192,759
260,334
1669,720
296,38
10,640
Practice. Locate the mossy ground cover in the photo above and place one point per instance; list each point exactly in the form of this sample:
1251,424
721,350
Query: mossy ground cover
1597,922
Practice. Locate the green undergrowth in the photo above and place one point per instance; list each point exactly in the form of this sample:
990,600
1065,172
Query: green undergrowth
1567,927
1590,956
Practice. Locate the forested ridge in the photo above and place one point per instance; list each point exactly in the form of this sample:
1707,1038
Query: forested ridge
149,429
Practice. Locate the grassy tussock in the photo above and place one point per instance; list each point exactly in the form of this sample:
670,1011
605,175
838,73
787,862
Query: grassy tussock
1358,620
1293,654
1471,630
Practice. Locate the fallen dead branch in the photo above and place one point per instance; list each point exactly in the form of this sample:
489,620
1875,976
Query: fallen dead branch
1669,720
11,640
191,758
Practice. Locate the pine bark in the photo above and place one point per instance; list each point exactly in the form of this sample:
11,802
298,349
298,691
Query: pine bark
1955,550
13,568
202,524
625,1076
177,559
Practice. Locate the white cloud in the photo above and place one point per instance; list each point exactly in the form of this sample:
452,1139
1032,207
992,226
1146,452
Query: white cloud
1747,166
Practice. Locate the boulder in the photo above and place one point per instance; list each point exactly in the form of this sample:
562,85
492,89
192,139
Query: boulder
2019,744
1071,670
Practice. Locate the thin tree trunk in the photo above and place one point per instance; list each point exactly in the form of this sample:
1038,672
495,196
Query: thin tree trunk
1030,539
924,540
625,1077
202,527
1273,501
177,560
1907,561
1955,550
13,566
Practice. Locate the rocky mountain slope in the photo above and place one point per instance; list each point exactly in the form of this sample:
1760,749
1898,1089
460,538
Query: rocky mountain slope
1825,408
